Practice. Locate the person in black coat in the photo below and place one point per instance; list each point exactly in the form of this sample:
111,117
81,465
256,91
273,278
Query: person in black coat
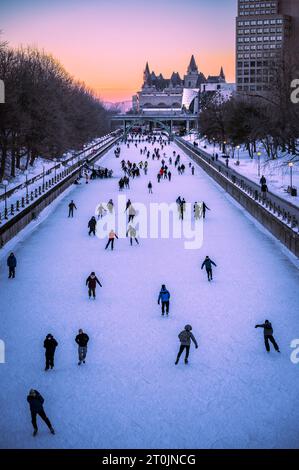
208,265
92,282
82,340
11,263
204,209
92,226
72,206
36,401
268,335
50,344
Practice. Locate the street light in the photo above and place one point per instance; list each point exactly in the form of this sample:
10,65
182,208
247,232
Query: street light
238,148
5,184
291,164
55,161
26,174
259,163
224,147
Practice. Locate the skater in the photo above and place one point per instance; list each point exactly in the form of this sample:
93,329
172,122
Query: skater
208,264
12,264
50,344
112,236
82,340
185,338
92,282
92,224
164,296
198,209
150,188
101,211
132,213
192,170
36,401
204,209
132,234
268,335
72,206
169,176
110,206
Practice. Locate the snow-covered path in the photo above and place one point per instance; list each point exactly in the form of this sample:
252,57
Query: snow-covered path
130,394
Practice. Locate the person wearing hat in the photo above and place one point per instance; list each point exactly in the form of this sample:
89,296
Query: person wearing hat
82,340
36,401
164,296
92,282
72,206
185,338
50,344
12,264
268,335
208,265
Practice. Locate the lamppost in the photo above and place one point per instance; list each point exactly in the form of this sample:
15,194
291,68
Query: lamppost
238,148
291,164
26,175
259,163
224,147
214,143
43,177
55,161
5,184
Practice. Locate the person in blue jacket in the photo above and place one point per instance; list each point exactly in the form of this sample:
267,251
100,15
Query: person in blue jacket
164,297
11,263
208,265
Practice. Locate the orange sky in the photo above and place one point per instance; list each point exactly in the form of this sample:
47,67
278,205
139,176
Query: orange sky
106,44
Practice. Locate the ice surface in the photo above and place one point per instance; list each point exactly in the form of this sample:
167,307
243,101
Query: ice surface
130,394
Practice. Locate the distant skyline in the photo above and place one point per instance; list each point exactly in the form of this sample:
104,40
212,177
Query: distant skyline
106,44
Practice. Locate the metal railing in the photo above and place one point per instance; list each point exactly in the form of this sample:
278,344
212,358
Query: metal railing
284,210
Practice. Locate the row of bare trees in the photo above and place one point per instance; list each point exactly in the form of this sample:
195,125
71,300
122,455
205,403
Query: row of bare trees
270,118
46,112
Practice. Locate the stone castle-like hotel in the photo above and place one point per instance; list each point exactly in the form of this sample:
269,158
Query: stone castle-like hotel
175,93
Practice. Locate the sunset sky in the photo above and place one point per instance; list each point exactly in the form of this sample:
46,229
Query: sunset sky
106,43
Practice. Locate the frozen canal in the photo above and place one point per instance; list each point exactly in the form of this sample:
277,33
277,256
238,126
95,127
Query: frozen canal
232,394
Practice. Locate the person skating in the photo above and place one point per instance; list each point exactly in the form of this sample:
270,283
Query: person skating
169,176
268,335
92,282
150,188
185,338
132,234
208,265
82,340
110,206
12,264
72,206
132,213
50,344
36,401
192,170
112,236
101,211
197,210
92,224
204,209
164,297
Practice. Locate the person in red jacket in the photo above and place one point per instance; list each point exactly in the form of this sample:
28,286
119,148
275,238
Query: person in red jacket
92,282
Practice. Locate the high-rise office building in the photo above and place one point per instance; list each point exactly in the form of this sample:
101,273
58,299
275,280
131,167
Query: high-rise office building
264,29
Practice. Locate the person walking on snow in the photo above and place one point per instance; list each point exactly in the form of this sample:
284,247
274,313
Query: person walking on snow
72,206
82,340
92,224
50,344
12,264
185,338
208,265
36,401
150,188
112,236
92,282
268,335
132,234
164,297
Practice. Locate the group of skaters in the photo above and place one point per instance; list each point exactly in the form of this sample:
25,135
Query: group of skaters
186,336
